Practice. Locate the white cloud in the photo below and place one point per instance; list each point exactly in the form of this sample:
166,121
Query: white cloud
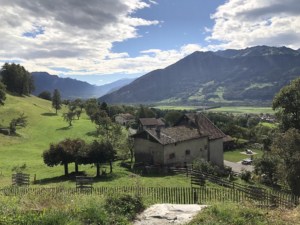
244,23
76,35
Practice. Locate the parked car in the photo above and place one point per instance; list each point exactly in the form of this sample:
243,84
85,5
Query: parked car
247,161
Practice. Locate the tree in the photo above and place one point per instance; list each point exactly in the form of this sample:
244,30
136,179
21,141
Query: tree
56,155
20,121
17,79
2,94
287,101
76,148
45,95
69,117
267,167
172,117
287,147
56,100
91,107
96,155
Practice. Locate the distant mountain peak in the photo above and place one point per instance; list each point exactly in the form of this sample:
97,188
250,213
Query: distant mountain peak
252,75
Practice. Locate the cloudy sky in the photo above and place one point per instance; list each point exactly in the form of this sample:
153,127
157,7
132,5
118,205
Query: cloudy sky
104,40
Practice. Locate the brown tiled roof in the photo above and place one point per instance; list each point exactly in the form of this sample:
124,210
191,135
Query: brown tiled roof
205,126
151,122
174,134
126,116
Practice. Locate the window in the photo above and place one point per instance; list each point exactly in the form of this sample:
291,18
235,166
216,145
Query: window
172,156
187,152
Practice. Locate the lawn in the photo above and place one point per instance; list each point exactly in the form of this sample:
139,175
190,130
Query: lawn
236,155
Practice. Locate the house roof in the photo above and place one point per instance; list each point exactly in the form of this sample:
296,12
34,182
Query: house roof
174,134
151,122
126,116
205,126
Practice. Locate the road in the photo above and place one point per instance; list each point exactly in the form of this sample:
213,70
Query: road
237,167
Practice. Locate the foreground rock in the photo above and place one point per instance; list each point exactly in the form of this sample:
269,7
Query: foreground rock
164,214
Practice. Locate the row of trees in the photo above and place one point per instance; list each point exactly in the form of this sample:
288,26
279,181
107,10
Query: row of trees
17,79
80,153
281,159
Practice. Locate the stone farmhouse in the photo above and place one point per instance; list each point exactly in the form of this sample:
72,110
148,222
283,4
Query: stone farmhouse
150,123
124,118
193,136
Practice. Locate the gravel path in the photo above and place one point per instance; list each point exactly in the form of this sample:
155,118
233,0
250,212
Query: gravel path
237,167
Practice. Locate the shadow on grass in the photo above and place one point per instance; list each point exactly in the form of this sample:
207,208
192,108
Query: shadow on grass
49,114
92,134
72,178
64,128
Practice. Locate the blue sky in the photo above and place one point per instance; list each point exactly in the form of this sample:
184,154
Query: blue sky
100,41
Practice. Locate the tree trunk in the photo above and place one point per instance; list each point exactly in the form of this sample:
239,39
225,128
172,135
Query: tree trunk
56,110
110,165
66,169
98,169
76,167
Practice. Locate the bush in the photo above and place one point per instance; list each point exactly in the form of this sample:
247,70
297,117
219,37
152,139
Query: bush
125,205
246,175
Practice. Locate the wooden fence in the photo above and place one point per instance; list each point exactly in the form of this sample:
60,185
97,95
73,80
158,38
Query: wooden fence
176,195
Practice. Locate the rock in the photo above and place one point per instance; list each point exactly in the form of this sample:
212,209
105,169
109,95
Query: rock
164,214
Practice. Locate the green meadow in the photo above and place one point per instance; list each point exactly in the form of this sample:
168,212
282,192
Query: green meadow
45,127
225,109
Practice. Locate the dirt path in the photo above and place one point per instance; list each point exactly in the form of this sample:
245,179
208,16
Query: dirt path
166,214
237,167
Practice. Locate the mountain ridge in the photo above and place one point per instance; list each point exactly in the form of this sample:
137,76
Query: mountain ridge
72,88
252,75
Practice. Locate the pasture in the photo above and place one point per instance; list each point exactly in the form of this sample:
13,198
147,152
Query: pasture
45,127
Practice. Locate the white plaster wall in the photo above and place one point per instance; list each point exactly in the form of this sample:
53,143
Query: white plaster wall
145,151
216,151
197,149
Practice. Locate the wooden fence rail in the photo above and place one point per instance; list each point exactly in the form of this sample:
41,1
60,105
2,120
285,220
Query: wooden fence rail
176,195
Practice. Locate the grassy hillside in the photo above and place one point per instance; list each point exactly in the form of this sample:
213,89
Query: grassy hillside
45,127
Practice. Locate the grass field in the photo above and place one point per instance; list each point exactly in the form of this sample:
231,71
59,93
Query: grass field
45,127
242,109
237,156
227,109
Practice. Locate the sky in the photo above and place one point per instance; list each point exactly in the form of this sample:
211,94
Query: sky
101,41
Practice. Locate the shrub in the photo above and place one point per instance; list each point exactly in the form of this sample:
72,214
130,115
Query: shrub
125,205
246,175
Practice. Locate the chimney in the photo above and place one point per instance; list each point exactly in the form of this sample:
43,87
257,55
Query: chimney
157,131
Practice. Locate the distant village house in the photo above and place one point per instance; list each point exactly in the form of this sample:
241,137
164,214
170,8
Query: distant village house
150,123
124,119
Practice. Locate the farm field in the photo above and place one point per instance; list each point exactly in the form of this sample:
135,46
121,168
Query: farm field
227,109
242,109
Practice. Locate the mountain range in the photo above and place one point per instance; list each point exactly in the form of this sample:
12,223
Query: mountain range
248,76
71,88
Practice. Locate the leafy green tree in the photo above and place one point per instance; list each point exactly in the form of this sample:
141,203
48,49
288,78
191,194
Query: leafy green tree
287,101
96,155
287,147
20,121
17,79
2,94
69,117
91,107
76,148
45,95
56,100
172,117
145,112
267,166
56,155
